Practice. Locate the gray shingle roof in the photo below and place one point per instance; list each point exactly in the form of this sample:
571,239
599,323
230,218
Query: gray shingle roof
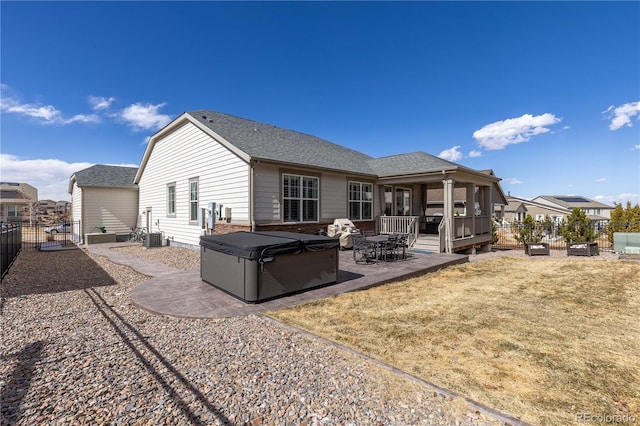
268,142
575,201
12,194
107,176
414,162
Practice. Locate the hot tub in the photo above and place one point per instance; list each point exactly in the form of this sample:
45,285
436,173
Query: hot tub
257,266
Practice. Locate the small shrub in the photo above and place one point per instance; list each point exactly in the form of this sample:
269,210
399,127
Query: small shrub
578,228
528,232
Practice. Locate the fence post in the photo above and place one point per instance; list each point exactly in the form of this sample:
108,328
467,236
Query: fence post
10,244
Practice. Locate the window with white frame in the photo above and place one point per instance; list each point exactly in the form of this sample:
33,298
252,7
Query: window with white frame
171,199
193,200
300,198
360,200
12,211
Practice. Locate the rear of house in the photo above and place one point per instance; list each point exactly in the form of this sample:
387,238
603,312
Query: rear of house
210,173
193,181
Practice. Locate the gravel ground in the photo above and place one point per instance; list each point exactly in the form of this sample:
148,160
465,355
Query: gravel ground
75,351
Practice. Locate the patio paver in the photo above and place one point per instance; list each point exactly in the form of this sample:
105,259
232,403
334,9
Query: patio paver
178,293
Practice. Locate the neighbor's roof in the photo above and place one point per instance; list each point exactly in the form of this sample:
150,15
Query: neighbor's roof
267,142
13,194
513,204
574,201
513,201
105,176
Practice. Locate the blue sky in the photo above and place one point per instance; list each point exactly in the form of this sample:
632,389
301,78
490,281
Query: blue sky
547,94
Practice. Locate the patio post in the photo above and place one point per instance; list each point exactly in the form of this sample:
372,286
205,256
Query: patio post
448,201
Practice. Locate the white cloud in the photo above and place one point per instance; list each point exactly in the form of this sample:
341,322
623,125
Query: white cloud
636,147
144,116
100,102
49,176
82,118
474,154
498,135
451,154
622,115
512,181
619,199
602,179
48,114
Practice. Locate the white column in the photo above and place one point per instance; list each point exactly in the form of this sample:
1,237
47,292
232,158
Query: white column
448,185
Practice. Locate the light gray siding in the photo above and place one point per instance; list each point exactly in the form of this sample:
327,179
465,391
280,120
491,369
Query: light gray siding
333,197
267,184
76,210
184,154
267,193
113,208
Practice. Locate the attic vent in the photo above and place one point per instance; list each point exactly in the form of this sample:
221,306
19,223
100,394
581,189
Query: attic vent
210,120
204,117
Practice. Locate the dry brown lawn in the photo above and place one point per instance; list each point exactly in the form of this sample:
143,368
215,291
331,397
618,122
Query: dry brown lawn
545,340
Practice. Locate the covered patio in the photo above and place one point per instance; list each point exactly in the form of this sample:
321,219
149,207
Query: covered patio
445,208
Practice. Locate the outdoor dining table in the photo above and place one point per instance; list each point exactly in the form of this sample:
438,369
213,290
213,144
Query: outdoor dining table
378,240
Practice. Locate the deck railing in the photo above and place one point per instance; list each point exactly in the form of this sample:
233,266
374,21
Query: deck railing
469,226
400,225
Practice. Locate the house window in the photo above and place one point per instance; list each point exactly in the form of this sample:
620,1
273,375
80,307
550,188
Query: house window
193,200
300,198
360,201
12,211
171,199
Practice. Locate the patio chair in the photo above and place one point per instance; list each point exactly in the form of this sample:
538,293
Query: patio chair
389,248
402,245
363,251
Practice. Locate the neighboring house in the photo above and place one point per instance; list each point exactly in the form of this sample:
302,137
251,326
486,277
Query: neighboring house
514,211
46,207
63,207
262,177
104,196
595,211
518,208
17,202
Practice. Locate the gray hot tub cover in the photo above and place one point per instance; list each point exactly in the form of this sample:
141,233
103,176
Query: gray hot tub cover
256,245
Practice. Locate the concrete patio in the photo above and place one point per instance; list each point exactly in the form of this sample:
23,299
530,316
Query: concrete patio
179,293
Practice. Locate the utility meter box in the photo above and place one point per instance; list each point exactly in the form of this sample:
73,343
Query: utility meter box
211,218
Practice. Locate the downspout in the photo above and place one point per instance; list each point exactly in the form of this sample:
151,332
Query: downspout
252,222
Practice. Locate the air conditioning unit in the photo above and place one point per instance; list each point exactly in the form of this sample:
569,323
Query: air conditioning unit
154,239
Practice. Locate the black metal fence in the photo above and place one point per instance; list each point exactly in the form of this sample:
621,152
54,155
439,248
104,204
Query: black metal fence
38,236
10,244
506,236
